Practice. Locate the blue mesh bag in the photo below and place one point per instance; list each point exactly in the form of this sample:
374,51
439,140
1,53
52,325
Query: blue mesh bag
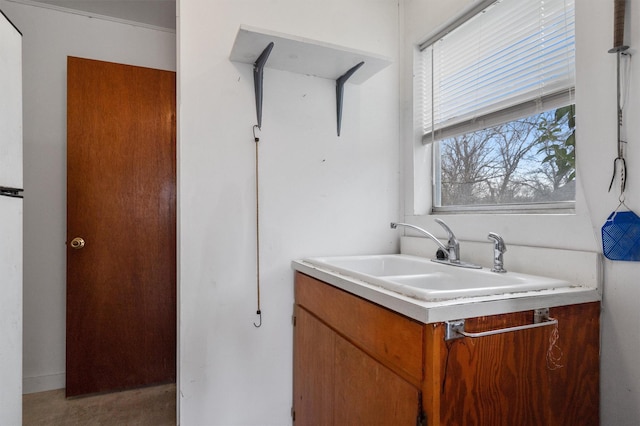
621,236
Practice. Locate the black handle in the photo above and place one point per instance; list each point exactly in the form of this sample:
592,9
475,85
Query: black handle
11,192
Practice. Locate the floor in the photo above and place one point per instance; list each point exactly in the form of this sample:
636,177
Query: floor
154,406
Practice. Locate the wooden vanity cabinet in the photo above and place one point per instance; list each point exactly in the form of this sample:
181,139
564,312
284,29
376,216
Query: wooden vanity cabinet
357,363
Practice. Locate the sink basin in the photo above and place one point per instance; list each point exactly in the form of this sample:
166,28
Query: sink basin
425,280
375,265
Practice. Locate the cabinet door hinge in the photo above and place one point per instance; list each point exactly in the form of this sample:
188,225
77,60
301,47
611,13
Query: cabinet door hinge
293,320
421,420
293,414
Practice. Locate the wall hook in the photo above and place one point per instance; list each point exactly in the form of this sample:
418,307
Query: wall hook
340,91
258,77
260,319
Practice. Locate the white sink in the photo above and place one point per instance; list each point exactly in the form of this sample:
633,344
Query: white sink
425,280
375,265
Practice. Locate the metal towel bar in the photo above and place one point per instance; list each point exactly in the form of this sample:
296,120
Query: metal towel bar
455,329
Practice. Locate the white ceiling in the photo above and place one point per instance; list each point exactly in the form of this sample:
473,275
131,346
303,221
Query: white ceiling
159,13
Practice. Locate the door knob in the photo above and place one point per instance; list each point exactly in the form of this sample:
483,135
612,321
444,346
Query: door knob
77,243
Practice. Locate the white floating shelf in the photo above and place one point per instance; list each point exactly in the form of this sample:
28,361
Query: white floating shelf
305,56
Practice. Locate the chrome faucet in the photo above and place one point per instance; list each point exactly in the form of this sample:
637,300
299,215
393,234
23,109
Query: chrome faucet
444,248
451,250
453,245
499,247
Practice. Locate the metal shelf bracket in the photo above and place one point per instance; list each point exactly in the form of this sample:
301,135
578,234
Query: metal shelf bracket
258,77
340,91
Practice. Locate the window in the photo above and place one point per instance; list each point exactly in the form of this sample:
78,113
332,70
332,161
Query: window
496,100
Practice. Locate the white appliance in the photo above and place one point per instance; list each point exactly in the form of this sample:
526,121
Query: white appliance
10,223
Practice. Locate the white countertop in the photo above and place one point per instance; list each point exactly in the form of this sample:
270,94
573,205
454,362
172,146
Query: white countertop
446,310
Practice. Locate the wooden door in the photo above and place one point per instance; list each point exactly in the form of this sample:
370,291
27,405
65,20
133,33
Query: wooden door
121,200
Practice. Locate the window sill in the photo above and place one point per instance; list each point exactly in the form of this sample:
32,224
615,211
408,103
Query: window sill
563,208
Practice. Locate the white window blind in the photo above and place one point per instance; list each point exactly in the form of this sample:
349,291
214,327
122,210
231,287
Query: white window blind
513,59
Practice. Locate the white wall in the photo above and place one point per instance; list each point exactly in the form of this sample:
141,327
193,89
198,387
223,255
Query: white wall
620,374
11,214
49,37
319,194
596,149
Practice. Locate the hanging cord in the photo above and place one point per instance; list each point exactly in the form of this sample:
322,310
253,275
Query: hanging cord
258,312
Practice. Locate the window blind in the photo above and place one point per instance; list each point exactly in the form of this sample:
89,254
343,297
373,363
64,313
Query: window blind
512,59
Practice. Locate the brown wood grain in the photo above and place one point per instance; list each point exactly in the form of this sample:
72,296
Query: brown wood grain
368,393
121,198
388,336
496,380
575,384
434,363
506,379
314,371
335,383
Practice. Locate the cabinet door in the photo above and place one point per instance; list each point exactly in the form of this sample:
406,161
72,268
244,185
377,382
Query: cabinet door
542,376
394,340
368,393
335,383
313,370
497,380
